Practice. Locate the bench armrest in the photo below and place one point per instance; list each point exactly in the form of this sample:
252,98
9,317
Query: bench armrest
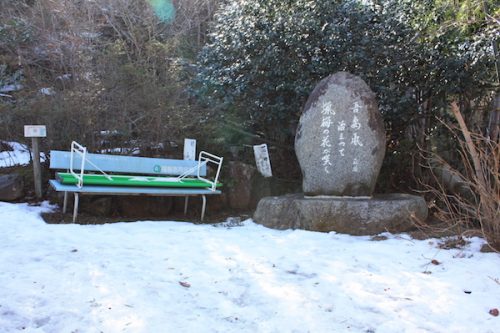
77,148
205,158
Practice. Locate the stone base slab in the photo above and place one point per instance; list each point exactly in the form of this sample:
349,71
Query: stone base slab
356,216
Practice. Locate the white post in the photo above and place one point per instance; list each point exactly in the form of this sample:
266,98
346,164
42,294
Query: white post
189,149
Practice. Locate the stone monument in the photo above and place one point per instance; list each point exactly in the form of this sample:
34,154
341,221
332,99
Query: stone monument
340,146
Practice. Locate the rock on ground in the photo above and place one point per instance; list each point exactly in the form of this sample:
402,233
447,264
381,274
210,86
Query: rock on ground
370,216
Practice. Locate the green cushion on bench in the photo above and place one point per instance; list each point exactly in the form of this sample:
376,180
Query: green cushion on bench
125,180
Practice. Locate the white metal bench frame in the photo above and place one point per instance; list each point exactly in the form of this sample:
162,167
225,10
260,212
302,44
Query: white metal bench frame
80,151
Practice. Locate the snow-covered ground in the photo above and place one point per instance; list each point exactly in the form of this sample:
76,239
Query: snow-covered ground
181,277
20,155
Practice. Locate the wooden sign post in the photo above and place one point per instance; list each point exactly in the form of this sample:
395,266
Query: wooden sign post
34,132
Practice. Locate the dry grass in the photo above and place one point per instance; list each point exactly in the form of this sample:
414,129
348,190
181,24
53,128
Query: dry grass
469,196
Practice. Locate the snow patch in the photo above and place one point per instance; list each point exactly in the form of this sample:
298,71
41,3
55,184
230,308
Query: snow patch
19,155
181,277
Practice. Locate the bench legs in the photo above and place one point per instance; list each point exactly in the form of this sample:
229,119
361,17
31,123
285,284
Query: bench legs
186,199
77,199
65,202
75,206
203,206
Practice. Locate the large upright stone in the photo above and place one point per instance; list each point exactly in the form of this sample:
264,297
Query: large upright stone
340,140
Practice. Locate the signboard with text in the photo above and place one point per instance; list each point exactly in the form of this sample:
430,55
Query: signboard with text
262,160
35,131
190,149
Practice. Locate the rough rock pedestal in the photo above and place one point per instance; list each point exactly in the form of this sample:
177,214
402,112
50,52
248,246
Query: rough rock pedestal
340,146
355,216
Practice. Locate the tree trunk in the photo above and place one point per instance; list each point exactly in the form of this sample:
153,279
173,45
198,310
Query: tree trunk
494,122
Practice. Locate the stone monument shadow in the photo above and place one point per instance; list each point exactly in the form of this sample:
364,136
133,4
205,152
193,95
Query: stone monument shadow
340,146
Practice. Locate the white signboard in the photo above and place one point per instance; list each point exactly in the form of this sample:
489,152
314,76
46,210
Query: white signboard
262,160
35,131
190,149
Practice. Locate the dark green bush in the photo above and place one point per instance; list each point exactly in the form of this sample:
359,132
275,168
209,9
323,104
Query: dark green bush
264,58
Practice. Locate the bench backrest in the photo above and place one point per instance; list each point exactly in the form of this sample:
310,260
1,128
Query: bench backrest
127,164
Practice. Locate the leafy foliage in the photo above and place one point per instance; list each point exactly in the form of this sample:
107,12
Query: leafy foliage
104,66
264,58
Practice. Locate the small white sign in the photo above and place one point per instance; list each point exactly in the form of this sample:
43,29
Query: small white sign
262,160
35,131
190,149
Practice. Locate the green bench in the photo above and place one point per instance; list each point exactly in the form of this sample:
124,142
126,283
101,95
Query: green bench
101,174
